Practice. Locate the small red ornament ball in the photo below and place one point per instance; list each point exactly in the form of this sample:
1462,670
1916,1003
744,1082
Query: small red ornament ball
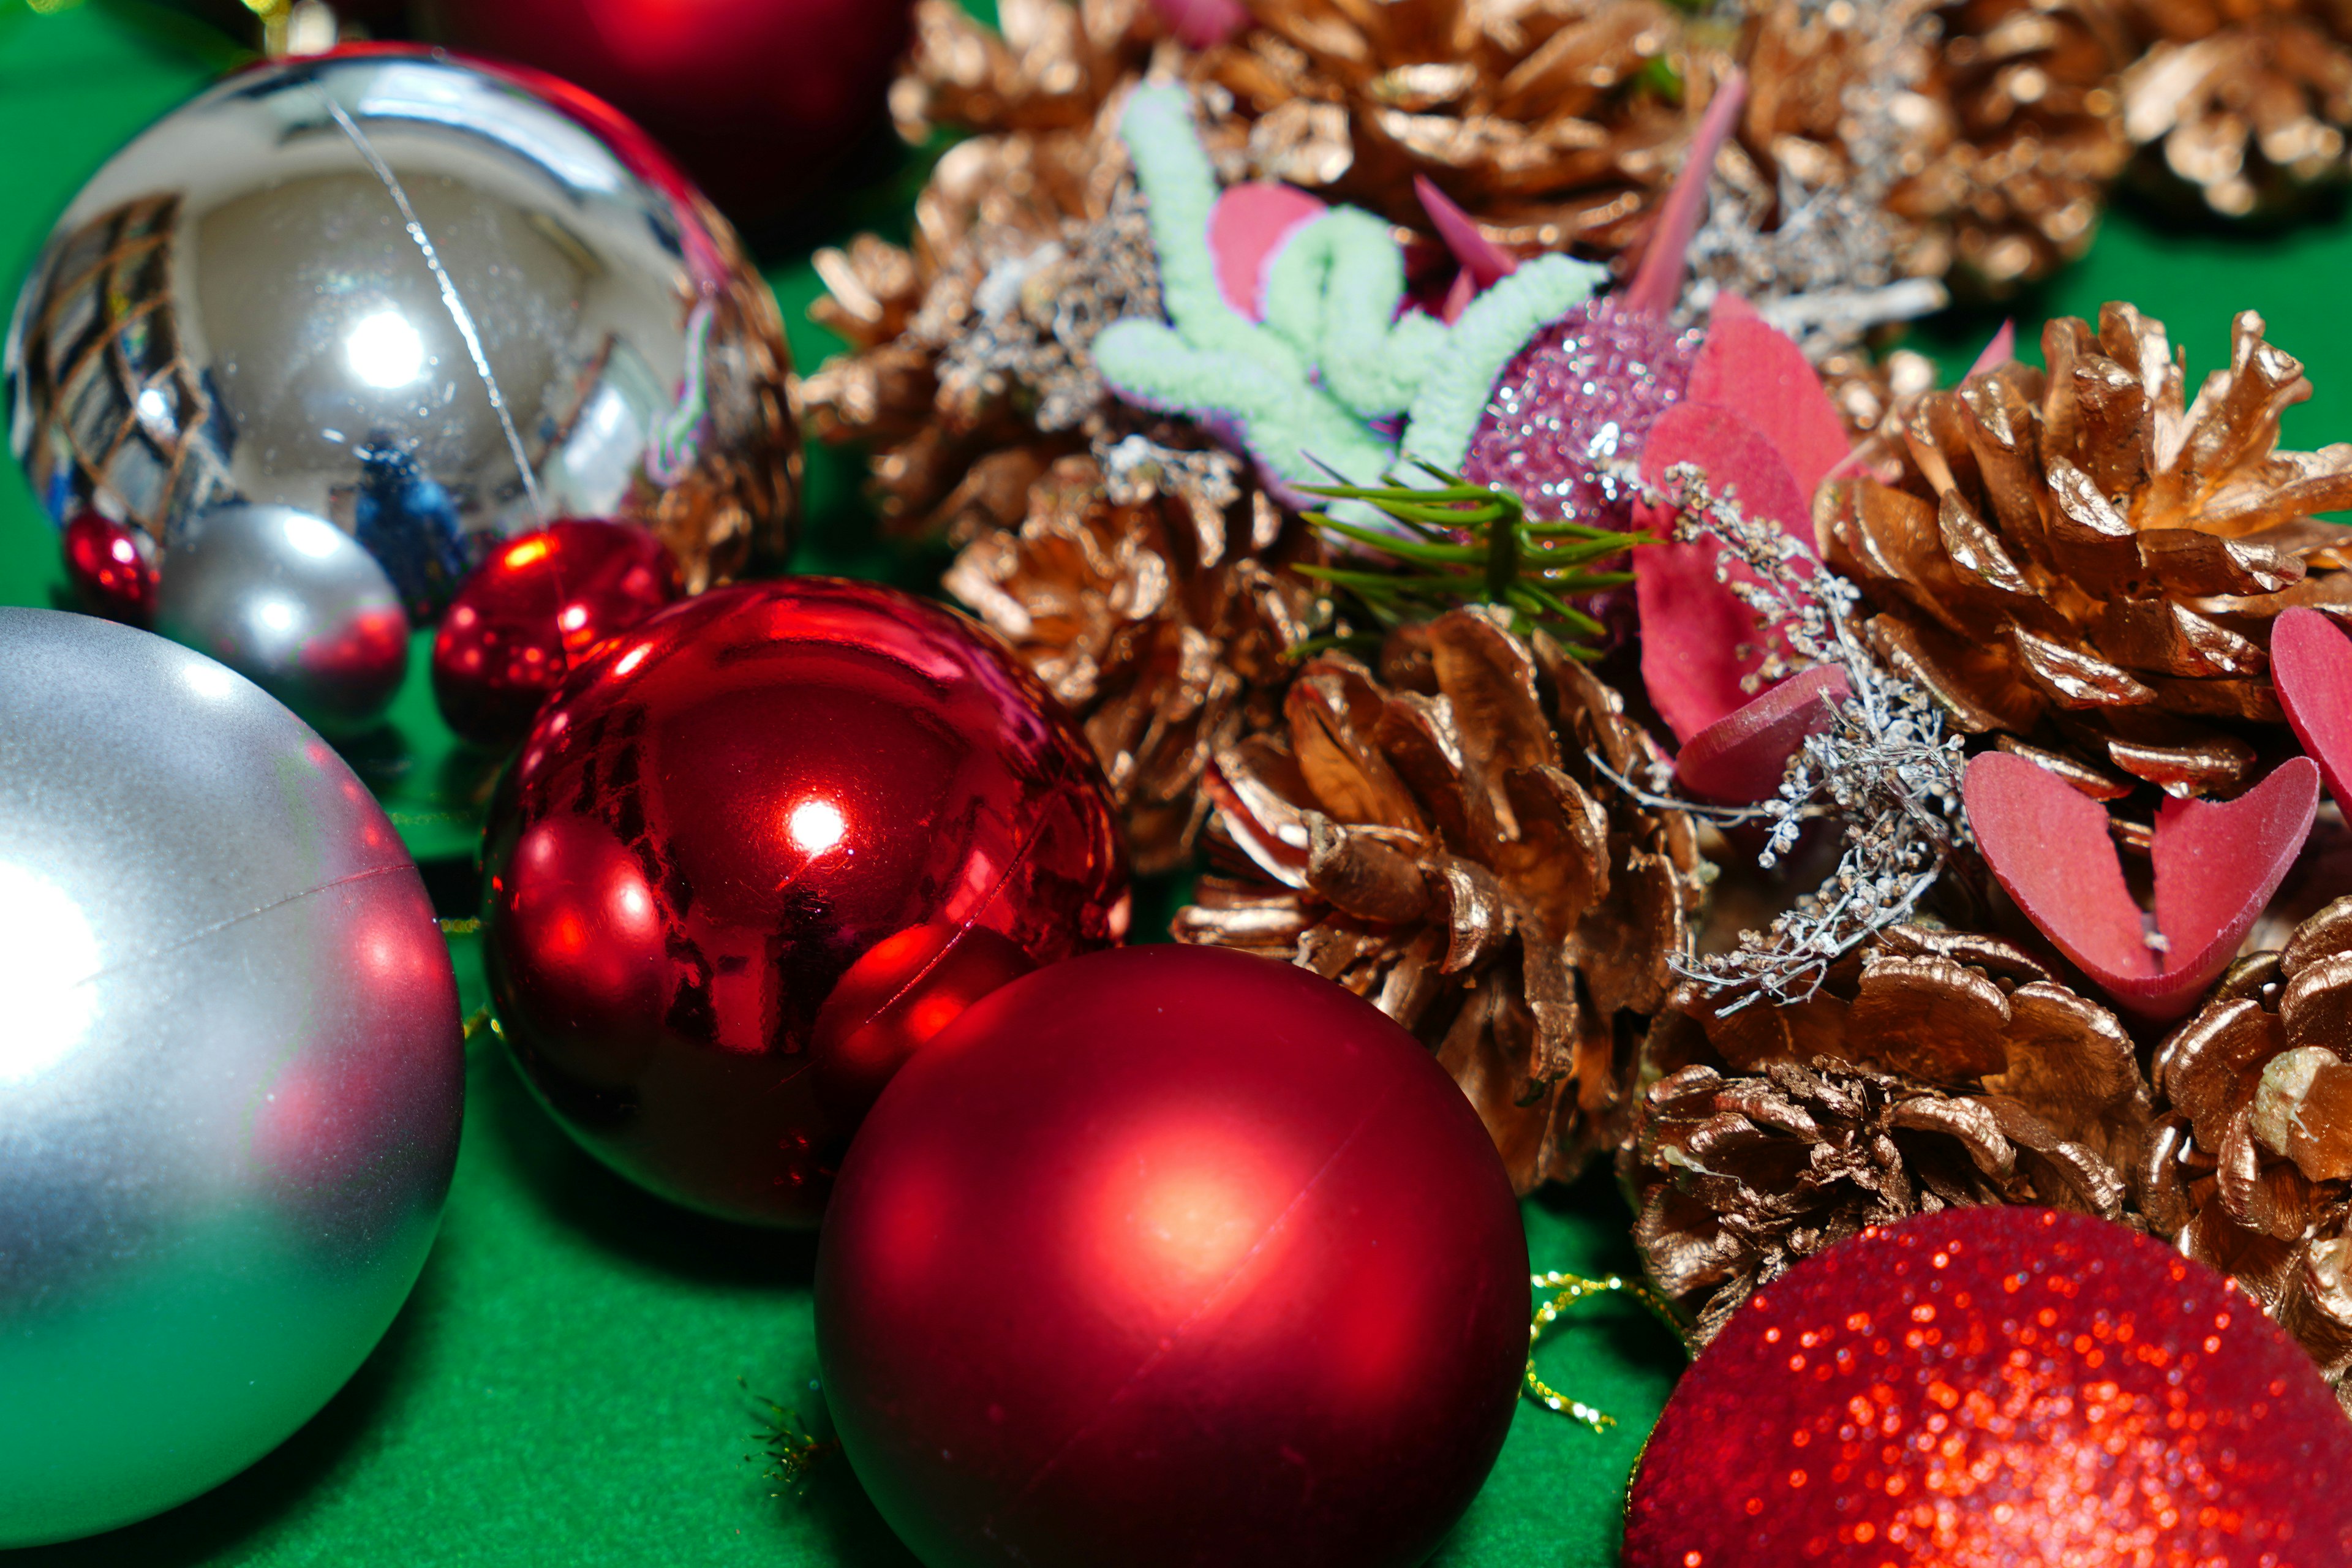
757,850
111,567
531,611
758,99
1172,1255
1997,1388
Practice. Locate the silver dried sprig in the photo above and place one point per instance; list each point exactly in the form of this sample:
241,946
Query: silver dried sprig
1885,767
1031,319
1814,245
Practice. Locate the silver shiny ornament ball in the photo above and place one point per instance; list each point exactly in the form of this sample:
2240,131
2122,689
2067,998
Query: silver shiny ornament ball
291,603
424,299
231,1074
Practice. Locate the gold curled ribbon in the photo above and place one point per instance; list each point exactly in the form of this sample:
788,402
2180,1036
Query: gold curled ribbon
1567,1289
791,1449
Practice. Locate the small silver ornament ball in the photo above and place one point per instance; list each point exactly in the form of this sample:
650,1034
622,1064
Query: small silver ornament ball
291,603
231,1074
427,299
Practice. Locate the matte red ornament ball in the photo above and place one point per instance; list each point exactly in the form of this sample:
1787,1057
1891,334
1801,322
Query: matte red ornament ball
758,849
531,611
111,567
1997,1388
1172,1255
758,99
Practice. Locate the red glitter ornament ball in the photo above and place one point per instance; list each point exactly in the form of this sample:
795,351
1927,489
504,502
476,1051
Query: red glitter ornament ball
1172,1255
758,99
1997,1388
531,611
757,850
112,568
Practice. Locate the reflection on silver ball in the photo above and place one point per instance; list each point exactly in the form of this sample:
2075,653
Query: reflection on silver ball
231,1074
417,297
291,603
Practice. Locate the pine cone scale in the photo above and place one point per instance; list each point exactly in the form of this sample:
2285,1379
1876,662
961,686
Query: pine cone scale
2249,1169
1929,1070
1448,855
2104,559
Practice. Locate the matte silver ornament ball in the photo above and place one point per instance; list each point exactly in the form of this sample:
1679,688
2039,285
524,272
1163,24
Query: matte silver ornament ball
231,1074
293,604
433,301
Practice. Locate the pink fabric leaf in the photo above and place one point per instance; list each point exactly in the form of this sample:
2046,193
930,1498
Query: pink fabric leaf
2217,864
2310,662
1200,24
1699,640
1658,281
1742,757
1999,350
1247,229
1486,262
1749,364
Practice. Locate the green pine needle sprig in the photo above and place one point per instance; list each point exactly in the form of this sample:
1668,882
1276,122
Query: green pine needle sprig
1469,544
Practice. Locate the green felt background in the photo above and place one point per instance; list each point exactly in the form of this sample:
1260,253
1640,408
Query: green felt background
563,1388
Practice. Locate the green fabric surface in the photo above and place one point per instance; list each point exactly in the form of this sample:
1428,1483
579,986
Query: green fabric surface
563,1386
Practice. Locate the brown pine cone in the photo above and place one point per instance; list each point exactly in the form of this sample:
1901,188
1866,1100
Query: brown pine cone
1439,842
2244,100
2249,1164
968,374
2087,555
2031,134
1934,1070
1158,604
1551,124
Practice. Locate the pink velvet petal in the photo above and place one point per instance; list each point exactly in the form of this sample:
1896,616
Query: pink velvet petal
1658,281
1759,370
1486,262
2047,842
1693,627
1741,758
1200,24
1247,228
1458,295
2310,662
2000,347
2217,864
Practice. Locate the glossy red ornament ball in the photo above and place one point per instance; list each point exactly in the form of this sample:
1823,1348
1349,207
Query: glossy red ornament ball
758,99
531,611
111,566
1172,1255
1997,1388
757,850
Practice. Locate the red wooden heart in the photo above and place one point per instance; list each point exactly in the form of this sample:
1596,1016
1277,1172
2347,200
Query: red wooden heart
1742,757
2217,864
2311,663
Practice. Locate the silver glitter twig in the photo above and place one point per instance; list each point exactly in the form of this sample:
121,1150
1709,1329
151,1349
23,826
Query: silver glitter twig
1885,767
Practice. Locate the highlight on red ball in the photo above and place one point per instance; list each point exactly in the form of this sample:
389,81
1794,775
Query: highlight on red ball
1989,1386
